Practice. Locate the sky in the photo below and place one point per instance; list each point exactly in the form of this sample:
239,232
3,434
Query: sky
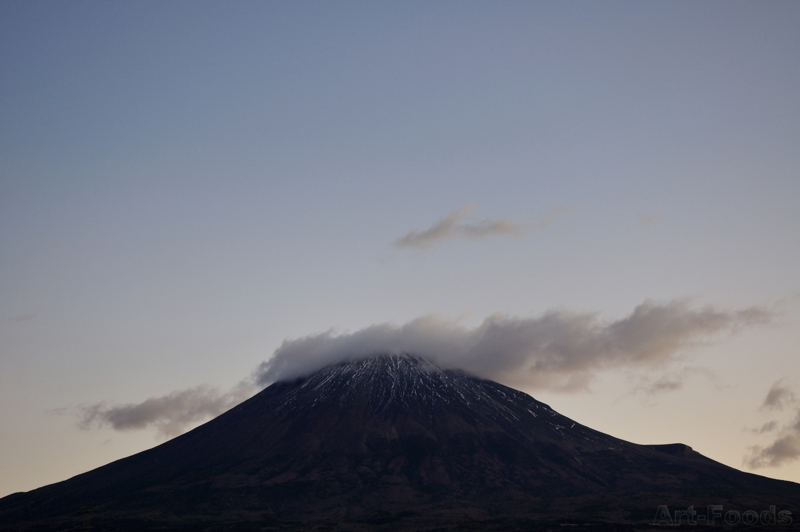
595,203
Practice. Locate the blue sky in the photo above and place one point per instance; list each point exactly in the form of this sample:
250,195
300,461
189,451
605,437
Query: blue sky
184,186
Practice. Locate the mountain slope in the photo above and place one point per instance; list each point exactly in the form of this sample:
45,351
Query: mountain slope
391,441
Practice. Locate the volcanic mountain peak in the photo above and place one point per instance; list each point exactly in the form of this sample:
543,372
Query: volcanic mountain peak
390,440
405,382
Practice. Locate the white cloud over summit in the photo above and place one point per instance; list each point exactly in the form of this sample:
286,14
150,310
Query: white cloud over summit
558,350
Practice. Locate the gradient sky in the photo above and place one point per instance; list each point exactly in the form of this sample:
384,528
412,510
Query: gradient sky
186,185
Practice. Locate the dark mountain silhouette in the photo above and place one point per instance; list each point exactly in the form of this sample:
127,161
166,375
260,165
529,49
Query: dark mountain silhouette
394,443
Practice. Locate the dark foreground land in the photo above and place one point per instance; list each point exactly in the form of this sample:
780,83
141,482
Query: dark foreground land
394,443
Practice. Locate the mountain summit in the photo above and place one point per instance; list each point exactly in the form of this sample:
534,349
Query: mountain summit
392,442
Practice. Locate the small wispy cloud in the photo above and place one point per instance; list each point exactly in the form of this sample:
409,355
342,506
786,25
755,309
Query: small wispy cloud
170,414
671,381
785,448
769,426
648,220
665,384
27,316
456,224
778,396
552,216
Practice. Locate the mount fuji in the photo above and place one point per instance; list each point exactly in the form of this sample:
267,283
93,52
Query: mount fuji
393,442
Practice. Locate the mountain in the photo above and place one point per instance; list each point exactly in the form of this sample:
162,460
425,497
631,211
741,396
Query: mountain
393,442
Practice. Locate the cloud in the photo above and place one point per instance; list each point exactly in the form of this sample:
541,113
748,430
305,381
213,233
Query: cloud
169,414
648,220
786,446
453,225
550,218
665,384
783,450
769,426
778,396
672,381
28,316
559,350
